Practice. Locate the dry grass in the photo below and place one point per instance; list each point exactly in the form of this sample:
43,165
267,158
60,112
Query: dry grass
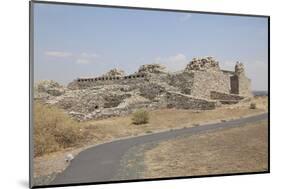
232,150
54,130
100,131
164,119
261,103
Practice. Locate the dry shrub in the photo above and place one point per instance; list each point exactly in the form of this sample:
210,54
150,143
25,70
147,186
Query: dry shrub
53,130
253,106
140,117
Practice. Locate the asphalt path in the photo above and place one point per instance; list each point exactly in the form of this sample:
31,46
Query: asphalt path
101,163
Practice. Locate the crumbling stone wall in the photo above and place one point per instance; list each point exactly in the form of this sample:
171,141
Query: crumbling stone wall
244,86
203,64
183,101
115,73
151,90
149,72
184,81
113,100
47,89
82,83
201,76
152,68
202,85
206,77
244,83
205,82
224,96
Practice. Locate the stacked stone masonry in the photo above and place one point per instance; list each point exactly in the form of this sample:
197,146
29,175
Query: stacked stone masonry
201,85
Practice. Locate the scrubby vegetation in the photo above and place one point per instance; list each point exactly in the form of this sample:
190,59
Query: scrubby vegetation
140,117
53,130
253,106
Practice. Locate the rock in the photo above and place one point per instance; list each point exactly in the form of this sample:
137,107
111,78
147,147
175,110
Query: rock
69,157
203,64
114,73
48,88
239,68
134,100
151,68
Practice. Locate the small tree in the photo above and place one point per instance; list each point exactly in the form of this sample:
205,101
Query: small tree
140,117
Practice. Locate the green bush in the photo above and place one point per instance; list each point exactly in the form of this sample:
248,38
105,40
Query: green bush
140,117
53,130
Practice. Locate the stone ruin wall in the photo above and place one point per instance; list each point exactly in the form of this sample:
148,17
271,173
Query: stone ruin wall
243,83
183,101
205,82
81,83
146,73
215,95
184,81
244,86
200,77
202,85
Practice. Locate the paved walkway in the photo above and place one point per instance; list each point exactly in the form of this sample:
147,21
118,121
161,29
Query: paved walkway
101,163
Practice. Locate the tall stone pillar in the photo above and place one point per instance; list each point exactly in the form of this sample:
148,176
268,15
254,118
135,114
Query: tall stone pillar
243,83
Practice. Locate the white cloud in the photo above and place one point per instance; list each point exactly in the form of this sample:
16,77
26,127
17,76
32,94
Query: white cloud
79,58
173,63
185,18
86,58
83,61
60,54
89,55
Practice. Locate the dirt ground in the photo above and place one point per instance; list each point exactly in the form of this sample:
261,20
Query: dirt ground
166,119
242,149
115,128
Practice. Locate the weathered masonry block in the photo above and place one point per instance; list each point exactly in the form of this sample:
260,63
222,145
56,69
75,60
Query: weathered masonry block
183,101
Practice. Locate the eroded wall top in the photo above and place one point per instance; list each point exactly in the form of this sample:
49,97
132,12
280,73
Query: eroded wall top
203,64
152,68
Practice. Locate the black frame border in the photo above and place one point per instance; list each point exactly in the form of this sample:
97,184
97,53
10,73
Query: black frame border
31,82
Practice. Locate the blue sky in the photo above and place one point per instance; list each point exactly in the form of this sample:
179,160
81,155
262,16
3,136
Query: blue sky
79,41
